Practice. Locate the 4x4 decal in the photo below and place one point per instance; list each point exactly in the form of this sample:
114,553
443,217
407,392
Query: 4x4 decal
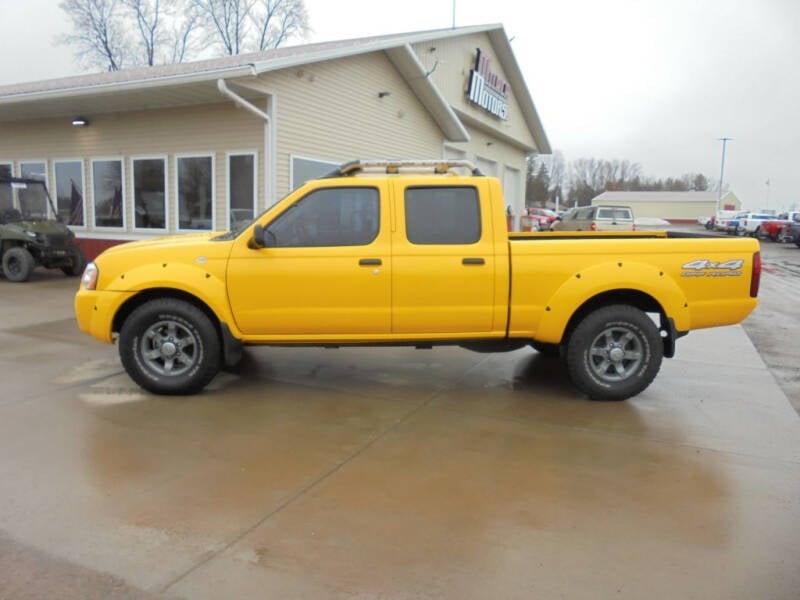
707,268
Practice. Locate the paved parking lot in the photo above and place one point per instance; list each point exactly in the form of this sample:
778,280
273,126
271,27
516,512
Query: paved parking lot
390,473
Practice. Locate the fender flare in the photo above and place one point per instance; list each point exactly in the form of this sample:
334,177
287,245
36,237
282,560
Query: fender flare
614,279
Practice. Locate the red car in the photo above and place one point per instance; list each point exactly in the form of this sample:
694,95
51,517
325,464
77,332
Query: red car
779,230
543,216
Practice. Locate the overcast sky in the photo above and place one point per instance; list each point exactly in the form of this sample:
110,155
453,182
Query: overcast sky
652,81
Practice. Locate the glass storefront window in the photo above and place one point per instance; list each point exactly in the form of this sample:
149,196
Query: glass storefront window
69,192
241,189
149,193
109,202
195,192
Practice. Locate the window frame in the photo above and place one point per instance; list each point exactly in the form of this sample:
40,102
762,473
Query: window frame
213,188
167,221
109,228
54,195
228,181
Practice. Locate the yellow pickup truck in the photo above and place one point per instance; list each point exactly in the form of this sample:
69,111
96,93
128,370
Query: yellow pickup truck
412,253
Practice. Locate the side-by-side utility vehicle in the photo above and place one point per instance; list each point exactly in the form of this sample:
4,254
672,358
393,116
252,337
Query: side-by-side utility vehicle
31,234
389,253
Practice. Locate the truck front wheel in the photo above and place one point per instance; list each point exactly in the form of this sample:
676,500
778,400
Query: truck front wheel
169,346
614,353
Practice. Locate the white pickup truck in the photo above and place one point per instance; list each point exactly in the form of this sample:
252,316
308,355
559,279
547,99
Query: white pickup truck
747,223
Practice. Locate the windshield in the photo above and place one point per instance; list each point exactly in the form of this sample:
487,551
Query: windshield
23,201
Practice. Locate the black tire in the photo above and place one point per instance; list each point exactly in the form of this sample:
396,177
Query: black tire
170,347
553,350
614,353
18,264
77,262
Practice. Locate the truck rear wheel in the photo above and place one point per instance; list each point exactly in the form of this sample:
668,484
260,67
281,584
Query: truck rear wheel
614,353
18,264
169,346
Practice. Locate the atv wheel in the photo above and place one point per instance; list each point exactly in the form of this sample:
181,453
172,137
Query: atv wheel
77,262
169,346
18,264
614,353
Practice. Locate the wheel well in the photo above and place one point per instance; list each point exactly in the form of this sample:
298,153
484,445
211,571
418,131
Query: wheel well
158,293
635,298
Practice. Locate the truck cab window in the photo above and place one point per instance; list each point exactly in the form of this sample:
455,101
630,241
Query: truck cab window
442,215
328,217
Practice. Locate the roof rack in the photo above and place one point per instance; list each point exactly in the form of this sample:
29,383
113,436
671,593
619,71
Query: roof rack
392,167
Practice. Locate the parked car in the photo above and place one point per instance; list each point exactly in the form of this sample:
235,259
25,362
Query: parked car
792,232
777,229
719,222
596,218
543,216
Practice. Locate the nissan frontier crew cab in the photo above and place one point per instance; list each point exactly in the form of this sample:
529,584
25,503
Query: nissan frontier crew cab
412,253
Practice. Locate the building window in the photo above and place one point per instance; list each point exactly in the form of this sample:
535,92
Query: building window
486,166
69,192
6,201
304,169
109,198
32,200
195,192
149,193
241,189
328,217
442,215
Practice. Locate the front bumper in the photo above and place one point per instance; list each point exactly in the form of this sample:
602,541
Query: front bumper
95,312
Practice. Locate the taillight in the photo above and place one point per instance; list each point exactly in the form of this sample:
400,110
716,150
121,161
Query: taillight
593,226
756,278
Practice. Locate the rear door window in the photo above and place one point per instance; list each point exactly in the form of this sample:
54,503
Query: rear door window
442,215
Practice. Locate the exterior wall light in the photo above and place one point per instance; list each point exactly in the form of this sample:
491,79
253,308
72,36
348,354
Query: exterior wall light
80,122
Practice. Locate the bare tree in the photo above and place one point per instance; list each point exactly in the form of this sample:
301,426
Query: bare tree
278,20
165,29
99,33
228,21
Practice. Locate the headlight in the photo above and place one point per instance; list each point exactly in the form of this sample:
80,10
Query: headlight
89,279
30,234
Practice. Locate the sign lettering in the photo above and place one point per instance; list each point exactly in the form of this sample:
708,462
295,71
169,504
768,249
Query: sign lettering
487,89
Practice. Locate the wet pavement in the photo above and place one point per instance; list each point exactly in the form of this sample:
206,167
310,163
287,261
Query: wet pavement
388,473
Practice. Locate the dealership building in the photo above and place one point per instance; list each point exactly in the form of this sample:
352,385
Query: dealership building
199,146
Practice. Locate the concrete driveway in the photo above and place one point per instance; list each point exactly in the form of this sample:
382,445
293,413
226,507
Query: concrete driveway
388,473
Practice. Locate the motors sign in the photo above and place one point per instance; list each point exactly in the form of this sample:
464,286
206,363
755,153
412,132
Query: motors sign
487,89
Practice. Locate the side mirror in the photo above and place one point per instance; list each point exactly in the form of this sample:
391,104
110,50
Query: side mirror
258,237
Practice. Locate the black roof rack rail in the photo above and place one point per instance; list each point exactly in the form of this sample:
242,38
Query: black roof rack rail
393,167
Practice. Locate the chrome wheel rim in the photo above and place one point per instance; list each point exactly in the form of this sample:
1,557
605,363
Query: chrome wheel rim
616,354
169,348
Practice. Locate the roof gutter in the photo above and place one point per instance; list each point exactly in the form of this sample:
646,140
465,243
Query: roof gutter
269,151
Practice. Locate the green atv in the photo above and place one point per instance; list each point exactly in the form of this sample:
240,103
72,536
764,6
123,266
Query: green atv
30,233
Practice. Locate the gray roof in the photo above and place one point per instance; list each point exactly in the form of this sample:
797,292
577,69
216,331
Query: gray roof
662,197
194,82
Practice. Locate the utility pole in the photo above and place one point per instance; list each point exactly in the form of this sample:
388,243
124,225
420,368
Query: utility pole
724,141
454,14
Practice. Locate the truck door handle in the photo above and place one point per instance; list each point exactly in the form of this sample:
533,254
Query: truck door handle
370,262
473,261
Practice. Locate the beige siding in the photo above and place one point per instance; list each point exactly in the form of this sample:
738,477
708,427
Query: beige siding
331,111
214,129
450,62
